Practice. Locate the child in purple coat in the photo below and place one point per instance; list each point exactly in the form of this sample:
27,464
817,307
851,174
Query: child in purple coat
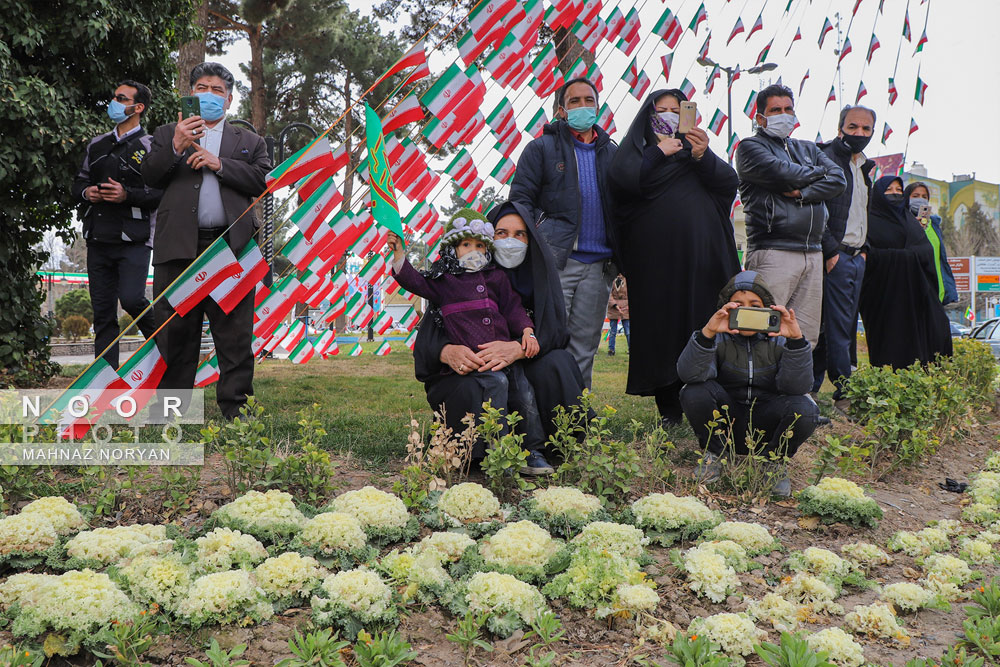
478,305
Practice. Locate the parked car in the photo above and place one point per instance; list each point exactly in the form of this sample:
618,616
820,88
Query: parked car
957,330
989,332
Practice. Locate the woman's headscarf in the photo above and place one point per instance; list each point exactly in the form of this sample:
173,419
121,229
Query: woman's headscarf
887,222
627,162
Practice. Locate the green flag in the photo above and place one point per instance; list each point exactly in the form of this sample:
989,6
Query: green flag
384,207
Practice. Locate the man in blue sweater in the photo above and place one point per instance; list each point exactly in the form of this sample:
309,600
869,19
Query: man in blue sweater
562,178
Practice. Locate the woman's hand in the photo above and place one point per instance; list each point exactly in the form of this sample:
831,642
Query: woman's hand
670,145
719,322
698,140
461,359
789,325
499,354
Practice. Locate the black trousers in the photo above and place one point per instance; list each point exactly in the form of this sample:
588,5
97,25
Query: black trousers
180,339
773,415
553,379
117,272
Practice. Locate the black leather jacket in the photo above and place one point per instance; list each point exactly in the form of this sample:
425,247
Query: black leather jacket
768,167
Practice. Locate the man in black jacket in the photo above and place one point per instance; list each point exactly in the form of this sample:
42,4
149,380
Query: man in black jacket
118,218
562,178
844,250
783,186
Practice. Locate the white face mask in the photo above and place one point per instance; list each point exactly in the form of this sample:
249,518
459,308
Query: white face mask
473,260
510,252
670,118
780,125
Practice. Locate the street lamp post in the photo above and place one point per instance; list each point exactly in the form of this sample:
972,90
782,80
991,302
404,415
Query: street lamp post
730,71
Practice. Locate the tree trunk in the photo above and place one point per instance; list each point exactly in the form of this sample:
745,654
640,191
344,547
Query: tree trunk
568,49
192,53
258,112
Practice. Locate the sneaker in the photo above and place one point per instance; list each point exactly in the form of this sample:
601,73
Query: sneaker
536,464
611,353
843,407
779,476
822,421
709,470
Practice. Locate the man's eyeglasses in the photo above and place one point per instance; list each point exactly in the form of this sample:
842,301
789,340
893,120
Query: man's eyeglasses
122,98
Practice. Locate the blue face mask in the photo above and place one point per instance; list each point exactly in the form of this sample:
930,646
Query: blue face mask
116,112
581,119
212,106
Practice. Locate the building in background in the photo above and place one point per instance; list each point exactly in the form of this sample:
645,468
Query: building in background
957,196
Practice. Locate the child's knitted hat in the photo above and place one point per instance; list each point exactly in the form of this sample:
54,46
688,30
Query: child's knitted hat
468,223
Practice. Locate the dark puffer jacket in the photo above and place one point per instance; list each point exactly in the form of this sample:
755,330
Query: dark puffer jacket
768,167
840,206
546,181
748,367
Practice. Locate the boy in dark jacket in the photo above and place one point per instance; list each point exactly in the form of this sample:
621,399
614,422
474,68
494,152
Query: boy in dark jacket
760,379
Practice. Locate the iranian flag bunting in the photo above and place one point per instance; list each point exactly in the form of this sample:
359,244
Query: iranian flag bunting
668,28
845,50
886,131
383,322
667,61
803,83
339,280
920,91
872,46
412,58
274,308
687,88
921,42
737,29
300,250
315,156
763,52
208,371
295,334
326,344
537,123
356,304
411,340
407,111
253,268
717,122
907,35
202,276
893,93
95,389
322,292
731,148
471,48
302,352
336,309
142,371
627,46
271,342
758,25
314,211
383,349
630,32
641,87
451,88
409,319
487,14
356,350
373,270
507,144
824,31
615,23
606,119
703,51
504,170
797,37
913,127
260,293
832,96
862,91
699,16
750,108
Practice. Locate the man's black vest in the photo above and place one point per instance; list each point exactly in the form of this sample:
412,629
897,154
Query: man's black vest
105,222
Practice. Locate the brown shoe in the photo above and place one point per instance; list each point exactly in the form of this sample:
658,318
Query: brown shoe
843,407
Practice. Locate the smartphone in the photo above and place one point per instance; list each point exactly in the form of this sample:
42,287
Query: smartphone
755,319
688,117
190,106
924,212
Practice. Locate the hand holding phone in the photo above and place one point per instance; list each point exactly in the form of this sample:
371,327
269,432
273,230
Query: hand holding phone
190,127
924,212
688,116
764,320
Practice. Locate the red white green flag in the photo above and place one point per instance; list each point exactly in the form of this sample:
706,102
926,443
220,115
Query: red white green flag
358,310
383,322
687,88
893,93
322,293
356,350
886,131
373,270
202,276
302,352
407,111
233,289
409,319
411,340
832,96
208,371
803,83
336,309
508,143
797,37
486,15
717,122
143,370
667,61
920,91
627,46
451,88
313,212
824,31
737,29
504,170
641,87
383,349
763,52
699,16
295,334
415,57
758,25
276,306
862,91
733,143
906,26
270,343
844,51
89,395
913,127
668,28
470,48
300,250
313,157
327,344
615,23
750,108
921,42
537,123
872,46
370,239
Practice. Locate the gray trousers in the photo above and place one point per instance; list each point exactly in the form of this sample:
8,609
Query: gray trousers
795,279
586,288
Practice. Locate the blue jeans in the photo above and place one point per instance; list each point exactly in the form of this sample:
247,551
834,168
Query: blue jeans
613,334
841,291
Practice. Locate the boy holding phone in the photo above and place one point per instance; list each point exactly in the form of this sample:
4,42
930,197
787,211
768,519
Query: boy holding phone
757,377
119,213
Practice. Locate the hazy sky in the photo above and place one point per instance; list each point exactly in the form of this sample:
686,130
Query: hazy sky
960,64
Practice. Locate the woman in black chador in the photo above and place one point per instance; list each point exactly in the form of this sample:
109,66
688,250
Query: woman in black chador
904,319
672,199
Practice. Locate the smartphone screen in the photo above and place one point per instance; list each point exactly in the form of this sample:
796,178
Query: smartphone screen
190,106
688,116
754,319
924,212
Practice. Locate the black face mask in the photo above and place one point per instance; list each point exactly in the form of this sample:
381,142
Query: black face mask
854,143
894,199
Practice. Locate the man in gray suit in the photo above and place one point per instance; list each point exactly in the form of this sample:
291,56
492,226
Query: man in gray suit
210,172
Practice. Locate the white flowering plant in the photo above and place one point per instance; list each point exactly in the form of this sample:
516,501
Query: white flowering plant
383,516
667,518
448,546
908,597
783,615
978,551
223,549
271,516
100,547
618,538
876,620
840,648
920,543
27,540
836,499
419,573
593,577
76,603
289,579
508,603
708,570
161,579
354,600
736,634
522,549
755,538
61,513
469,507
335,539
828,566
562,510
630,601
807,589
223,598
865,555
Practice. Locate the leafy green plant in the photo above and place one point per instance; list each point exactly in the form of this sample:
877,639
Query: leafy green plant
987,601
657,454
468,635
983,633
504,454
75,327
126,642
754,474
309,472
14,656
178,485
842,454
319,648
593,461
792,651
692,651
75,302
387,649
219,657
246,451
548,629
